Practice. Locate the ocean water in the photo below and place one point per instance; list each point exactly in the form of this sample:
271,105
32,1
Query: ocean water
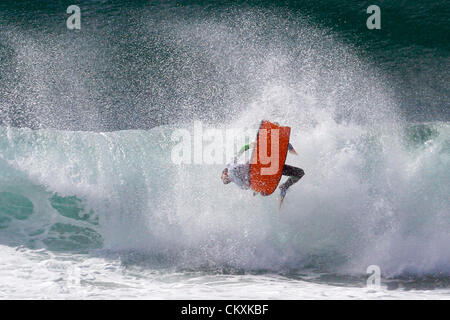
92,205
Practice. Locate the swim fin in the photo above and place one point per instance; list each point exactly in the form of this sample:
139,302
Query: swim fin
282,195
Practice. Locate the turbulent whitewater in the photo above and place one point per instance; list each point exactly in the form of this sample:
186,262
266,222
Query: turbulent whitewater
368,198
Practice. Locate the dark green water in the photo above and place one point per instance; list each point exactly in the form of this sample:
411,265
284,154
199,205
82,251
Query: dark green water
138,64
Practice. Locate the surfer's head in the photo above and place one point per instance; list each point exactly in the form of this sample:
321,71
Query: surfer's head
225,178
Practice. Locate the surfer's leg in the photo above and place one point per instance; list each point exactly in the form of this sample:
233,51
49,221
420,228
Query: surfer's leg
294,174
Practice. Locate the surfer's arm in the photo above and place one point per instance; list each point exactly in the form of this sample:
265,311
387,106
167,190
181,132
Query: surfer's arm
243,149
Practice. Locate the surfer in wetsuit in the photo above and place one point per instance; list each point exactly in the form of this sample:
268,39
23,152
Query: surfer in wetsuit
240,173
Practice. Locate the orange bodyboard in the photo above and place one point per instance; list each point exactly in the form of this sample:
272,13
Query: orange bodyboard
267,161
